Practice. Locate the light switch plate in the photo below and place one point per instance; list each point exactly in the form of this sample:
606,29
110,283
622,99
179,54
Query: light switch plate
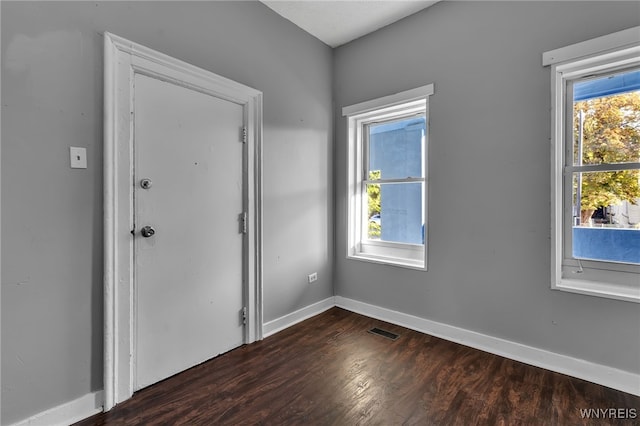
78,157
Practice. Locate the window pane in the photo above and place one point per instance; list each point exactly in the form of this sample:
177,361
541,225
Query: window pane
396,148
606,216
395,212
606,122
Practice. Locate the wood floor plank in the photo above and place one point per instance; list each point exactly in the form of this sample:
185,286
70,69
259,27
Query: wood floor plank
329,370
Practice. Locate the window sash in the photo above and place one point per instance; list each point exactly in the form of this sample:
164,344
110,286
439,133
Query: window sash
570,163
604,167
366,143
370,245
364,200
399,180
578,266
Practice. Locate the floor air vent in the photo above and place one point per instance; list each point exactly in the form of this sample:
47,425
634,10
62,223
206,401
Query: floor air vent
384,333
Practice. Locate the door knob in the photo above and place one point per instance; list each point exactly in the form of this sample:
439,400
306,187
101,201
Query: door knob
147,231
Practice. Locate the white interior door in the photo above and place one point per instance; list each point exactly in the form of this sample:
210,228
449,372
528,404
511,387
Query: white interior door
188,275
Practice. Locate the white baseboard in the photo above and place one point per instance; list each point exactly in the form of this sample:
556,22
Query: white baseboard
67,413
625,381
606,376
279,324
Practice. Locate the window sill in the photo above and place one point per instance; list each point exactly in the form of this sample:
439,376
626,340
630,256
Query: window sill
600,289
387,260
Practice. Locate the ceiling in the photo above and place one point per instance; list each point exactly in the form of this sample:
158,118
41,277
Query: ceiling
336,22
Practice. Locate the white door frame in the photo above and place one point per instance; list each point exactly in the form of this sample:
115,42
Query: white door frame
122,60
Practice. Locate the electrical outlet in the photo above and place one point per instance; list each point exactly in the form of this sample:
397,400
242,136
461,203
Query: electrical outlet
313,277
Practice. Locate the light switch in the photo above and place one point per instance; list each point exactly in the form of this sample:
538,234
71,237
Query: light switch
78,157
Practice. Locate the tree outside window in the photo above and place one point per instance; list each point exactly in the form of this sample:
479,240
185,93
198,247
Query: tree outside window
607,131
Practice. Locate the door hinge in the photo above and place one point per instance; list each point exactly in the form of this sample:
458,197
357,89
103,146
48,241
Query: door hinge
243,222
244,315
243,135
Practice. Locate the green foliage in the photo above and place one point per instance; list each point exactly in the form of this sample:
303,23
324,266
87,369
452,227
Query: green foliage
611,134
373,191
373,195
374,229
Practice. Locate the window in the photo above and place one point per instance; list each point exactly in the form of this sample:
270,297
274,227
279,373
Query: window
387,169
596,166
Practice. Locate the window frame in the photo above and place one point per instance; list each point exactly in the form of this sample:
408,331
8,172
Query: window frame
600,56
359,116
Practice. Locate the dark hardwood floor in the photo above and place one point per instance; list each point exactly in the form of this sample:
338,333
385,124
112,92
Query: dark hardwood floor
328,370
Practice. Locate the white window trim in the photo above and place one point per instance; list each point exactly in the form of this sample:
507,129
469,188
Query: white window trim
617,50
413,256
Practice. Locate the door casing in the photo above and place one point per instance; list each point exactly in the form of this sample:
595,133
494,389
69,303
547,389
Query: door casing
124,59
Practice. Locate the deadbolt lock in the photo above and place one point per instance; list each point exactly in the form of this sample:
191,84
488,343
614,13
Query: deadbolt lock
147,231
146,183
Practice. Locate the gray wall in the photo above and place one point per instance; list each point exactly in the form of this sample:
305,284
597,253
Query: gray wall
52,72
489,247
489,175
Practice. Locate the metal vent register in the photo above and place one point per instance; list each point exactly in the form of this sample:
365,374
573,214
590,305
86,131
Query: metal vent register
384,333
